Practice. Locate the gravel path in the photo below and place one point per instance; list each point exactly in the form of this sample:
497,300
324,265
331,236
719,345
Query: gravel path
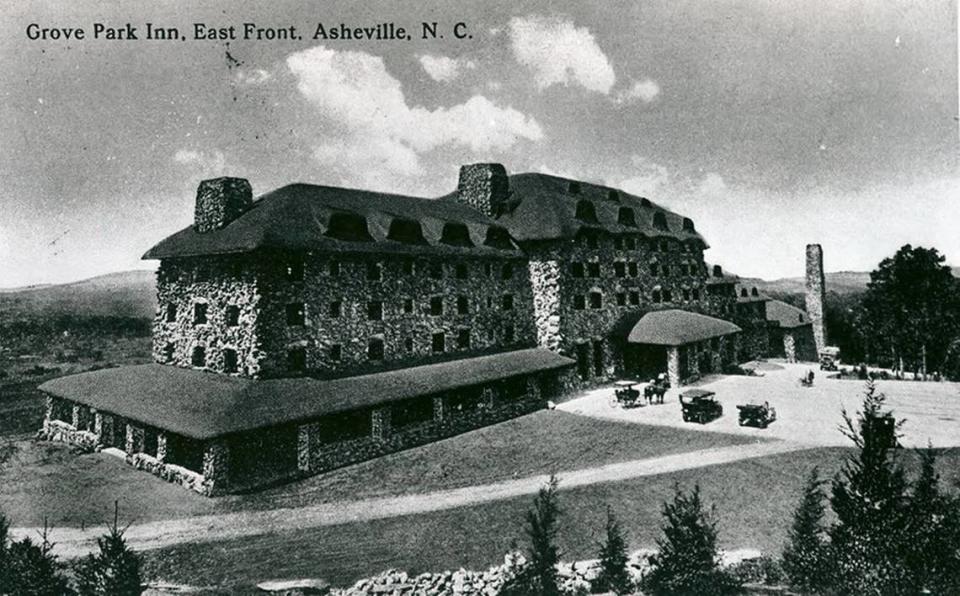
73,542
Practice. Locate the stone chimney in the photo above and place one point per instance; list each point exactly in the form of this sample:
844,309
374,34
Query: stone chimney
220,201
485,187
816,291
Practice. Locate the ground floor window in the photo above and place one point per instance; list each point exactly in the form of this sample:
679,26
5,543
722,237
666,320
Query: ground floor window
263,454
412,411
185,452
345,426
514,387
150,441
464,400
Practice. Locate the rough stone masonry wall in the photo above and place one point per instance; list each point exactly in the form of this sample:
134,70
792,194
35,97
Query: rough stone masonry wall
815,294
545,282
218,282
484,289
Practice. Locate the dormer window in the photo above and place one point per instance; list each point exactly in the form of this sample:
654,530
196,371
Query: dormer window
645,202
660,221
456,234
743,292
586,212
754,292
498,237
688,225
406,230
574,187
613,195
625,217
349,226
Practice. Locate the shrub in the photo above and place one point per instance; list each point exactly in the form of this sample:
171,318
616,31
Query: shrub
538,577
114,571
613,576
33,570
805,557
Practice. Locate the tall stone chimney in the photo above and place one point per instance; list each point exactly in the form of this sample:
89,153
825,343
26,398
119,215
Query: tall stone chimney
220,201
816,290
485,187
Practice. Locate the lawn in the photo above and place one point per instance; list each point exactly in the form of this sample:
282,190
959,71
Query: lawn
70,489
754,500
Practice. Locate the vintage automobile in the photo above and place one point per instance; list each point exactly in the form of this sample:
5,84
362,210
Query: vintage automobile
759,415
626,393
829,358
700,405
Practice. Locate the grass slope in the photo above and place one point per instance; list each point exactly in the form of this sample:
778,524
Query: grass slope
123,294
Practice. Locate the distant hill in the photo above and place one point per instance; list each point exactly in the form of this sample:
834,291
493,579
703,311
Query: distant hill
841,282
123,294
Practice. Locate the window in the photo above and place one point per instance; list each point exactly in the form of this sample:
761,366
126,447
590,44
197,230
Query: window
199,313
498,237
574,187
408,344
625,217
297,359
436,306
201,274
660,221
407,306
579,302
664,246
168,351
199,356
455,234
667,296
613,195
586,212
596,300
229,361
295,314
696,293
349,226
576,269
171,313
373,272
592,241
665,270
233,315
406,230
294,270
407,266
462,271
621,299
333,268
617,242
375,310
630,243
489,302
686,294
335,353
593,269
463,305
436,270
507,271
688,224
507,302
654,269
336,307
488,269
438,343
655,297
634,270
634,298
508,333
620,269
375,349
463,339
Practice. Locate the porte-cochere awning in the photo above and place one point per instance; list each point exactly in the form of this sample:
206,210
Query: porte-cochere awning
677,328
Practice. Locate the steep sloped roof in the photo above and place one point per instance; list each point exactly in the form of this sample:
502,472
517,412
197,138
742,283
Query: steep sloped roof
544,207
298,217
204,405
675,327
786,315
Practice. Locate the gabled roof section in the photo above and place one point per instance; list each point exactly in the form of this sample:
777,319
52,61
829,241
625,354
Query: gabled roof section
786,315
544,207
676,327
306,217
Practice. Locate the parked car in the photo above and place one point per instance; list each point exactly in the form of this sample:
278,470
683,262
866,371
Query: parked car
759,415
700,405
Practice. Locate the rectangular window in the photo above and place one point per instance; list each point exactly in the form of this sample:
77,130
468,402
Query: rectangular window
621,299
375,349
508,302
686,294
654,269
436,270
634,270
634,298
463,339
488,269
233,315
620,269
333,268
373,272
508,333
436,306
696,294
297,359
666,270
667,296
462,271
438,343
295,314
168,351
489,302
579,302
229,361
407,306
294,270
199,313
408,344
507,271
336,352
576,269
375,310
655,297
407,266
171,313
593,269
199,356
630,243
596,300
463,305
336,307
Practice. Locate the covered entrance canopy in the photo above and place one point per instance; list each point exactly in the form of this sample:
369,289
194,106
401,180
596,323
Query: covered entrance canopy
681,343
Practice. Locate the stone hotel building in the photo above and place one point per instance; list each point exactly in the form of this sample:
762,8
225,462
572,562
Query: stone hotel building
314,326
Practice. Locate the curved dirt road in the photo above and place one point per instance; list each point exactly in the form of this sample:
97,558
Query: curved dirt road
74,542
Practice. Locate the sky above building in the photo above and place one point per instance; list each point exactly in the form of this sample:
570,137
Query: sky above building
771,124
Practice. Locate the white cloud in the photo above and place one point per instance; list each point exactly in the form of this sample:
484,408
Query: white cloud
208,164
257,76
646,179
444,69
559,53
378,135
646,91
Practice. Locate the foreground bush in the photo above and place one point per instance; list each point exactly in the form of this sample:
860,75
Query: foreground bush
806,557
538,576
114,571
613,576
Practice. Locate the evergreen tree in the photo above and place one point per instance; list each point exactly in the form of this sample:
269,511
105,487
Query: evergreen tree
688,562
613,576
4,546
114,571
539,575
869,498
805,558
33,570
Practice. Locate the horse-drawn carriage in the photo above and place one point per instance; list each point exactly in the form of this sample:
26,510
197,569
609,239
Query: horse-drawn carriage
756,415
700,405
626,394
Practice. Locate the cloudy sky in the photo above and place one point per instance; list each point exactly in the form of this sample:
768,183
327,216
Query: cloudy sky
771,124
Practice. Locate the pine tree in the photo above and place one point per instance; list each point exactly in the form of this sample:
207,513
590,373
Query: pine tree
33,569
539,575
869,498
613,576
114,571
805,557
688,561
4,546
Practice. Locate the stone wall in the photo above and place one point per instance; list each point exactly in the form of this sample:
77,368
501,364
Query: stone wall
485,187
